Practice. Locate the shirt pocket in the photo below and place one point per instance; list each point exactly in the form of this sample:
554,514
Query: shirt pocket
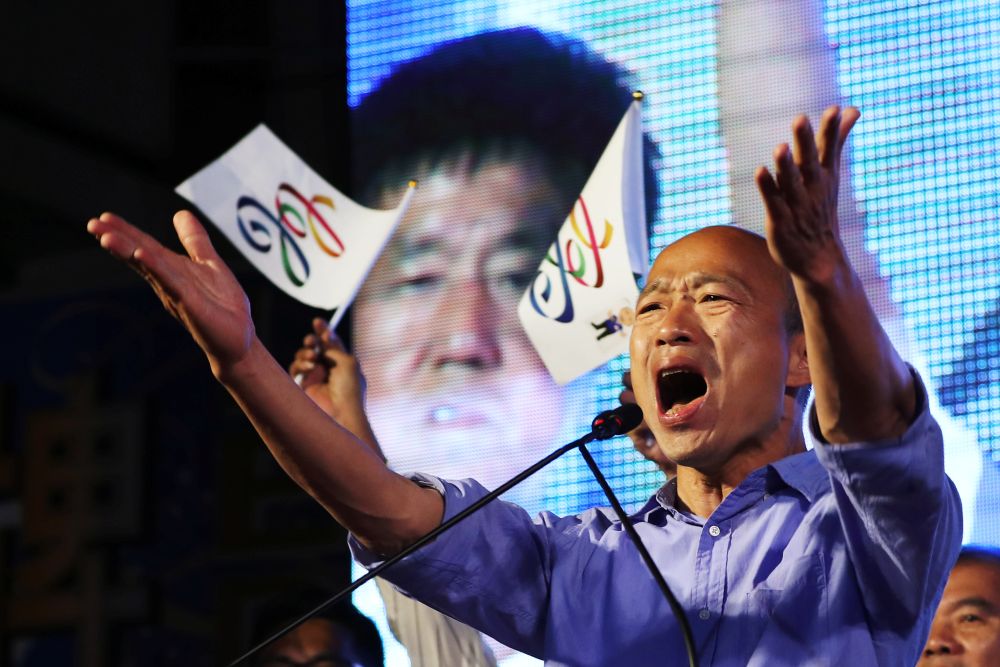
787,615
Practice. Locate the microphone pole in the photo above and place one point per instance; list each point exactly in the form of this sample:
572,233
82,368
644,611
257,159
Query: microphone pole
628,422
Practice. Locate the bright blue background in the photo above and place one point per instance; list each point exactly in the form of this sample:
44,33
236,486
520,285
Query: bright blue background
925,167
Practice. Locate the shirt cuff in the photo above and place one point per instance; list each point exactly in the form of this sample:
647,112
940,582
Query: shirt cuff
890,465
457,496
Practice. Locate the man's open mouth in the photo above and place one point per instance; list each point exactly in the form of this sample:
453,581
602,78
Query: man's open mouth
679,387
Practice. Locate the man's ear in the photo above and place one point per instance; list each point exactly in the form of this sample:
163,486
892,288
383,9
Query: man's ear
798,362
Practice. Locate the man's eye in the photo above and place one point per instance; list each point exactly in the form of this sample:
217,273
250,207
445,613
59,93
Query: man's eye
712,297
971,618
649,307
417,283
517,280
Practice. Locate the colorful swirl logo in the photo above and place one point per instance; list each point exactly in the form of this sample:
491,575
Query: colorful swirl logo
571,259
293,219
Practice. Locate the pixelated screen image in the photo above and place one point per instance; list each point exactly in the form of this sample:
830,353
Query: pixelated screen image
500,110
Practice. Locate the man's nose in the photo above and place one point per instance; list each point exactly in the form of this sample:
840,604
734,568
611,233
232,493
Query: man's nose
466,319
942,641
678,325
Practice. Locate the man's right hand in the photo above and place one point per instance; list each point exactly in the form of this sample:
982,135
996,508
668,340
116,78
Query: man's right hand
198,289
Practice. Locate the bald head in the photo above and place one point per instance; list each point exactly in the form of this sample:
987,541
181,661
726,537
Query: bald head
746,248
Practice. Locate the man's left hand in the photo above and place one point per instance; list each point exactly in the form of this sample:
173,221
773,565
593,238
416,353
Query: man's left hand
801,200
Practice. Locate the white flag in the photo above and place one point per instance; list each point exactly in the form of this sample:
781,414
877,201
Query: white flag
298,230
579,309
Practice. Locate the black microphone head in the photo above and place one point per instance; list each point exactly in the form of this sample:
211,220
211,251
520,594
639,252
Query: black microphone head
621,420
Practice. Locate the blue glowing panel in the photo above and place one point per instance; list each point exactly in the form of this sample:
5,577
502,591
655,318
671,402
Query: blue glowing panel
919,202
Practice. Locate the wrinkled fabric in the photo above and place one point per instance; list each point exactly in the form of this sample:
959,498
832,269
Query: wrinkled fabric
834,556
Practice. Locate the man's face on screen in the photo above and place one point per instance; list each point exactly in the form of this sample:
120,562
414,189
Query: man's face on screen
454,386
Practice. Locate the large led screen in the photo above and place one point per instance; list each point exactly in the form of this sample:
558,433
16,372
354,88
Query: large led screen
502,129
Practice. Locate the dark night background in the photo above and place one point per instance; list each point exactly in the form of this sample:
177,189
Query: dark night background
141,520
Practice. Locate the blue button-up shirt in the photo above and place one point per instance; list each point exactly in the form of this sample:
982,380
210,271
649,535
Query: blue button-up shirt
836,556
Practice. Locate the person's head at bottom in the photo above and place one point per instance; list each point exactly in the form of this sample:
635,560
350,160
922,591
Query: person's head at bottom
501,130
966,627
339,636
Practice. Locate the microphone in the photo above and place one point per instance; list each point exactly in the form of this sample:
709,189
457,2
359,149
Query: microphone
621,420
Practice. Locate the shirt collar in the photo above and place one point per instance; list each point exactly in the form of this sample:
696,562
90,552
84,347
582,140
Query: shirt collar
802,472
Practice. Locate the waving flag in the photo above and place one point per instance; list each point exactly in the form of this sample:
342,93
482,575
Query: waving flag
298,230
578,311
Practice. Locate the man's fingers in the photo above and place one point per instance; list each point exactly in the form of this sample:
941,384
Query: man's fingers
338,355
120,238
300,367
828,137
789,178
770,193
305,354
165,269
848,118
193,237
778,214
806,155
156,264
319,326
333,342
835,126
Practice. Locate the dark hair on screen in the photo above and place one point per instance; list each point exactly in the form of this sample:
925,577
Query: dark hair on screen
495,93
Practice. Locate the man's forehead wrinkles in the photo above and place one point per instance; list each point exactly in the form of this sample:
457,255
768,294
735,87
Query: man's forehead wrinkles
691,280
700,278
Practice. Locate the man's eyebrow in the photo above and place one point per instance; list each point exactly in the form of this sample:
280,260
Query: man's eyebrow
528,236
696,280
520,237
978,602
699,279
650,288
420,244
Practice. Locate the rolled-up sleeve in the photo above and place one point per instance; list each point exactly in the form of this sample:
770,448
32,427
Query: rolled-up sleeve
490,571
901,516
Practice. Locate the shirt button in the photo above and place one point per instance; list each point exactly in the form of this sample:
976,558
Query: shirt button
703,614
714,531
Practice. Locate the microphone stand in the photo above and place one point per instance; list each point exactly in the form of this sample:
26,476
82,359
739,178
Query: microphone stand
600,431
675,606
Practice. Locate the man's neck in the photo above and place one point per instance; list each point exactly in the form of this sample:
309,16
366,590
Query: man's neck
701,490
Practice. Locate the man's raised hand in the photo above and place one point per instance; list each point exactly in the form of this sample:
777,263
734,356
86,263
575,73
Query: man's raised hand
801,199
198,289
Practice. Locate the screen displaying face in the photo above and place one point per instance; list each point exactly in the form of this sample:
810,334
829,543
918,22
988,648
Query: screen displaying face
454,387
